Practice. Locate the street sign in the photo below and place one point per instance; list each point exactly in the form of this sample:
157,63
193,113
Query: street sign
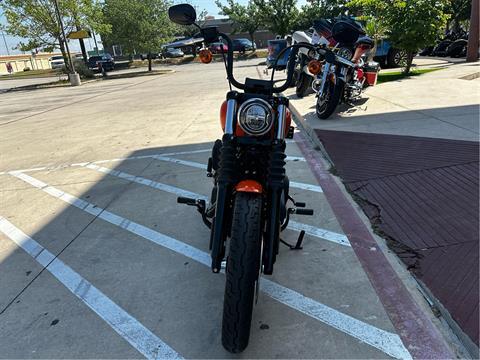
80,34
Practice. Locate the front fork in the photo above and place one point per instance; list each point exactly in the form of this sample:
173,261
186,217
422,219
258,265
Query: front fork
226,181
325,73
276,185
339,74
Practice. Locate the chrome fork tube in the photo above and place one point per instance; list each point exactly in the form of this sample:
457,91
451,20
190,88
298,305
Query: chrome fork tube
282,113
230,120
326,71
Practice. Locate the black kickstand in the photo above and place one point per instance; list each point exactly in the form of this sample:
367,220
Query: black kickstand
298,245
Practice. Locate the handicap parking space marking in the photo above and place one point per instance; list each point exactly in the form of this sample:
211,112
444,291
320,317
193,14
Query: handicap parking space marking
293,225
385,341
130,329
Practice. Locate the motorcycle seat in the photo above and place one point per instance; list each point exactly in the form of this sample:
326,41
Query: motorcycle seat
364,40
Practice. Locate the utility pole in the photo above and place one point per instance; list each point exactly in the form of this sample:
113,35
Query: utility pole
5,42
74,77
95,40
474,33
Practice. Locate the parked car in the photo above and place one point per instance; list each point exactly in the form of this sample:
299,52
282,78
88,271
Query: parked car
274,48
218,47
57,62
389,56
106,60
171,53
243,45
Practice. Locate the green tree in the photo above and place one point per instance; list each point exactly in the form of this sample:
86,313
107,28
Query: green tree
459,11
280,16
36,21
409,24
139,26
245,18
373,13
414,24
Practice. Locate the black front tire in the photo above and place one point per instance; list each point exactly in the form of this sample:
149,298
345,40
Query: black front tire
303,83
243,264
332,96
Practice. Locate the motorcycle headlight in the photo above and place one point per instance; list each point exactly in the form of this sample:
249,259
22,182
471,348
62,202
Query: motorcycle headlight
255,117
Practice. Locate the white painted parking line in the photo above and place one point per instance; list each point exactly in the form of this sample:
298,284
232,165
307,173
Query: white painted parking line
164,157
142,339
309,229
295,158
321,233
385,341
26,170
139,157
293,184
147,182
303,186
182,162
153,155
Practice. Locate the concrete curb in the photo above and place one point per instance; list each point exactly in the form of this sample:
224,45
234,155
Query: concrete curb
470,76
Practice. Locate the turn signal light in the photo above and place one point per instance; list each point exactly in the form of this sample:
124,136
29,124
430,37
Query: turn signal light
314,66
205,56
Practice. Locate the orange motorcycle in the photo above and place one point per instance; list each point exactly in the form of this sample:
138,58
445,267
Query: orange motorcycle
248,208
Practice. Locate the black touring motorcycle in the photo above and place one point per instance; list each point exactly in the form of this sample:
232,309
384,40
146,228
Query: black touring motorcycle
248,207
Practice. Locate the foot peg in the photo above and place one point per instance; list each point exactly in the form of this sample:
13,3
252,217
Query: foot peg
298,205
188,201
300,211
201,207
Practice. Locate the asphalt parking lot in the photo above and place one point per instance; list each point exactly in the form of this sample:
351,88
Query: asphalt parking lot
99,261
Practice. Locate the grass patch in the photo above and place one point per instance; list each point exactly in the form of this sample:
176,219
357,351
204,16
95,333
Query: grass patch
399,75
136,74
30,74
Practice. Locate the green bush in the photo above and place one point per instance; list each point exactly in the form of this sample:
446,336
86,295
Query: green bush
83,70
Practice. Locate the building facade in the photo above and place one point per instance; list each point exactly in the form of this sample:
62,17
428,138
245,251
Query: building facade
18,63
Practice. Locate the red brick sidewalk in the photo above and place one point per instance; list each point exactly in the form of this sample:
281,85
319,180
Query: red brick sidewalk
421,194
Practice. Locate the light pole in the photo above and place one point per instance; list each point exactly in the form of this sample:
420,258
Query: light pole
473,34
5,42
73,76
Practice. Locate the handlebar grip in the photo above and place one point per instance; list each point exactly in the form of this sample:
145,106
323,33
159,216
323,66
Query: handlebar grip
300,204
304,211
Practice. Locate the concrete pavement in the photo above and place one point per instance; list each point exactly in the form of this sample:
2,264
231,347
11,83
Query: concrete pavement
16,83
438,104
98,260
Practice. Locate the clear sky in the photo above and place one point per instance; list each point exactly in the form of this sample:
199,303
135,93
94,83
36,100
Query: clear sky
208,5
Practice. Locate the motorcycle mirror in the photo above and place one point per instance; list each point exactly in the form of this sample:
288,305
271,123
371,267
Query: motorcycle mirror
182,14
